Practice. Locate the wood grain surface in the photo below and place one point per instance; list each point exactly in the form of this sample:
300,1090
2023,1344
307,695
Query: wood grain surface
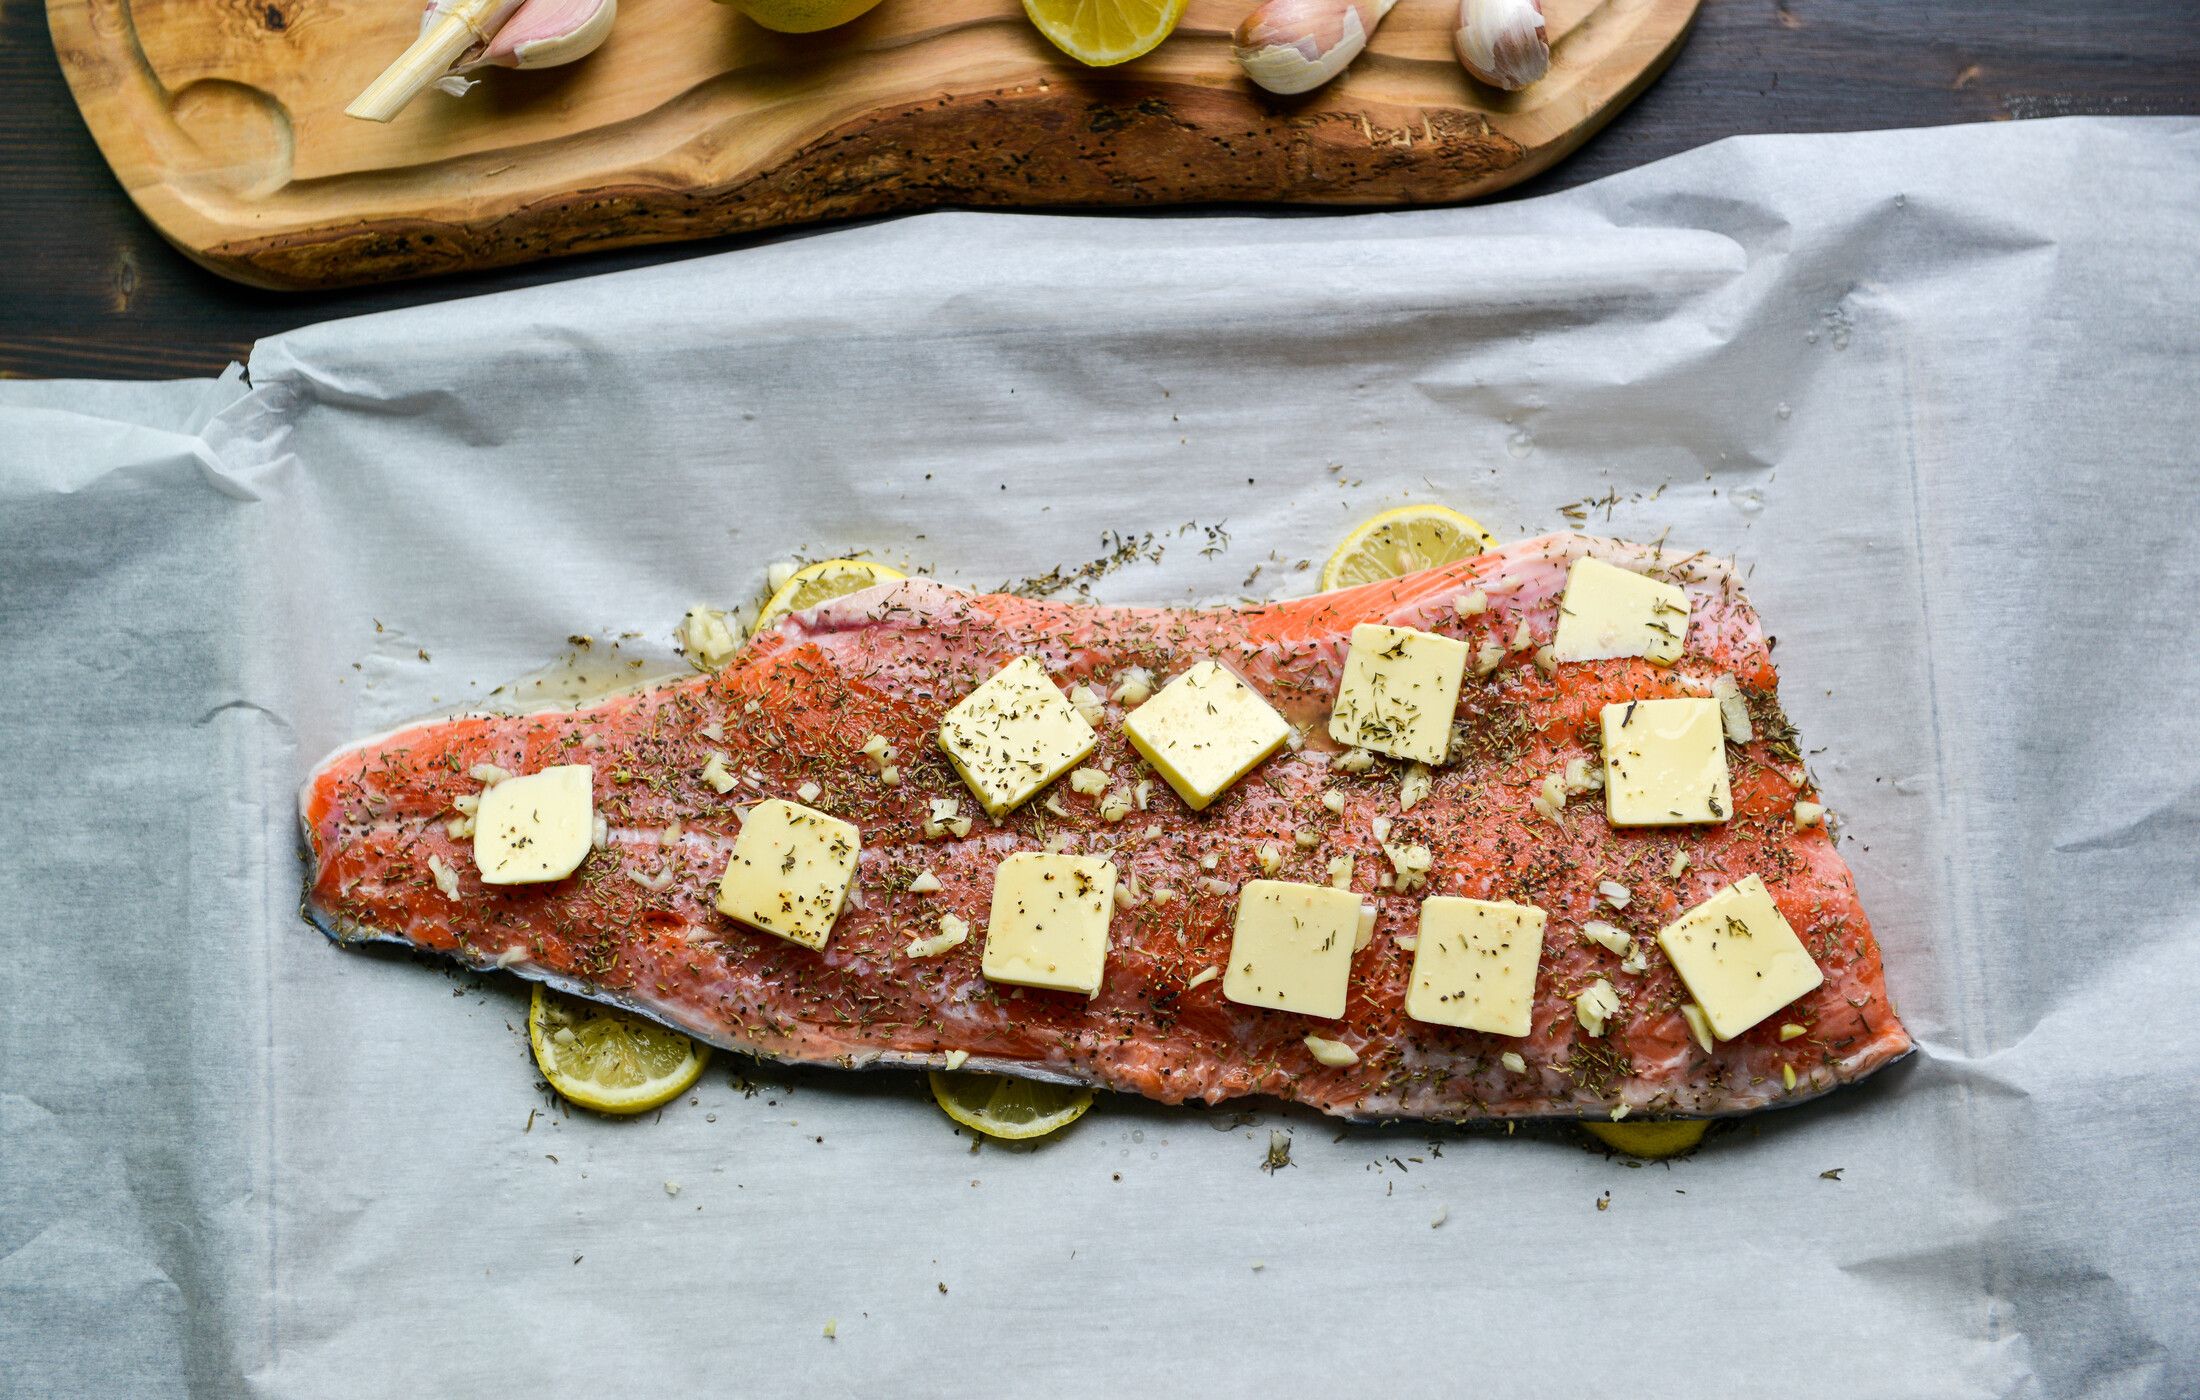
225,122
88,287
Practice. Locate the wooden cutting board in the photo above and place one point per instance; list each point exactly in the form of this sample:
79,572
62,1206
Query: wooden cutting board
224,120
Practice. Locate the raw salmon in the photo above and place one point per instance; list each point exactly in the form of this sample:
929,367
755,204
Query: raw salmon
636,926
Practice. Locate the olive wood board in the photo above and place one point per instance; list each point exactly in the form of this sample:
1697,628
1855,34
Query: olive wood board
224,121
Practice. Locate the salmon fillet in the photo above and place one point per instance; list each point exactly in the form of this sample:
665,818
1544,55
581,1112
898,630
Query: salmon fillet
636,927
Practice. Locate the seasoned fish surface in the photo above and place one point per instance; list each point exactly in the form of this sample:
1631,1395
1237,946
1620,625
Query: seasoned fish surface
636,924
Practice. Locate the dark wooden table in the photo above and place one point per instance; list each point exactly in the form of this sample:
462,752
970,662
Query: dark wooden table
88,289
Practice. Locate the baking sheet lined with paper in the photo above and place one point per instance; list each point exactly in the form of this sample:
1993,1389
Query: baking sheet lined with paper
1924,387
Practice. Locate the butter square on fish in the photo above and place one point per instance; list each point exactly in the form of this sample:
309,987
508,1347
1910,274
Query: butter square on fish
1610,612
1291,947
1205,730
537,828
1399,689
1049,926
1013,735
1738,957
790,871
1475,966
1665,763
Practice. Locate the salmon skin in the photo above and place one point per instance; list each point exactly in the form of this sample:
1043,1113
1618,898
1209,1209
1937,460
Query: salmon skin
635,927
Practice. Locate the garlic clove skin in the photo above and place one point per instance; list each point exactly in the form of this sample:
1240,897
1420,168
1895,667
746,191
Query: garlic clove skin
546,33
1503,42
1294,46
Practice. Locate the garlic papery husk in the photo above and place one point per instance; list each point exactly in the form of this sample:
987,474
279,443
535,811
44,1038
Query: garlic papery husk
1503,42
1293,46
546,33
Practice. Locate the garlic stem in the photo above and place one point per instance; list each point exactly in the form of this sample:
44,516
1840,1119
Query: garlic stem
452,29
1503,42
1293,46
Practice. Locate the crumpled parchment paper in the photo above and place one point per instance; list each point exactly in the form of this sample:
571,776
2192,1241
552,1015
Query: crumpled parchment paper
1935,389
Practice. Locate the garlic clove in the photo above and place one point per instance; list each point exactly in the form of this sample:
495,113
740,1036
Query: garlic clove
1503,42
459,36
449,30
1294,46
546,33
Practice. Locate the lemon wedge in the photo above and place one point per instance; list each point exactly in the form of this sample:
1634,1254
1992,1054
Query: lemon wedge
607,1060
1002,1106
1650,1140
1099,33
803,16
1404,541
815,584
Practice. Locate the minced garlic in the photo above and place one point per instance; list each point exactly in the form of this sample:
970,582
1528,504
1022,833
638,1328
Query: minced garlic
1333,1053
716,775
1596,1005
1607,936
1354,761
1415,786
446,879
953,932
1088,703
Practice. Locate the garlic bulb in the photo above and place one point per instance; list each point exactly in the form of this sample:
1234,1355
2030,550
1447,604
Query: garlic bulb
1291,46
1503,42
458,36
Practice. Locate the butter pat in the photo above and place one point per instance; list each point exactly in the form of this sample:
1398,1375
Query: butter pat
790,871
1050,922
1610,612
1398,693
1738,957
537,828
1013,735
1205,730
1475,966
1665,763
1291,948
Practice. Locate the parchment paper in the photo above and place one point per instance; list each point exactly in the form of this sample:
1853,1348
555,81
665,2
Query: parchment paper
1936,389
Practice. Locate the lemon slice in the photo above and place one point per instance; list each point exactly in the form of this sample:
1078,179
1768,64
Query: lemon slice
1650,1140
1002,1106
1404,541
803,16
813,585
608,1060
1099,33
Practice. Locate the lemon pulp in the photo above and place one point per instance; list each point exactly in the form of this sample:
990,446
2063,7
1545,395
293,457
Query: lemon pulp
1404,541
1003,1106
1099,33
607,1060
815,584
